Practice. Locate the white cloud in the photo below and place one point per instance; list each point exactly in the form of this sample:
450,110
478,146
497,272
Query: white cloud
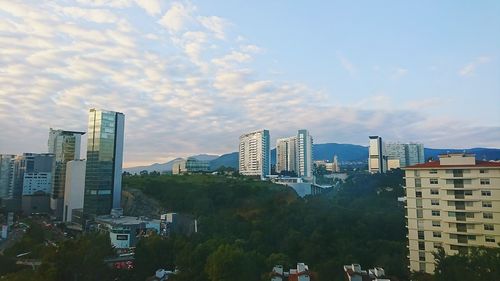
399,73
152,7
177,17
215,24
347,64
470,68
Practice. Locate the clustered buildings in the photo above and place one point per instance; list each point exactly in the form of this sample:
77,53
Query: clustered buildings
387,156
59,182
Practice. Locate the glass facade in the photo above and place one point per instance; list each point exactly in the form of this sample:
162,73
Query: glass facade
104,162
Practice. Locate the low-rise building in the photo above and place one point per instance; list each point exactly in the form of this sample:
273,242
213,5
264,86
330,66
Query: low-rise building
301,273
355,273
190,165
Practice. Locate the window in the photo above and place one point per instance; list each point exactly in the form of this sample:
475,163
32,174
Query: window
418,183
467,192
436,234
435,202
434,181
469,215
469,204
434,191
489,227
483,171
420,213
484,181
417,173
436,223
438,245
421,235
435,213
418,194
452,214
421,245
487,204
420,224
471,237
485,193
421,266
421,256
488,215
489,239
433,171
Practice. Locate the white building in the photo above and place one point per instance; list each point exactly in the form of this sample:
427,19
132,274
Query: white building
285,154
75,188
301,273
304,154
355,273
37,183
376,161
255,154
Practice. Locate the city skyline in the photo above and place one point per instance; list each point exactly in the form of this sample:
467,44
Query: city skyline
192,76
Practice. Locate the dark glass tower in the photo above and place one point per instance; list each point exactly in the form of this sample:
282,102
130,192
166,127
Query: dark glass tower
103,178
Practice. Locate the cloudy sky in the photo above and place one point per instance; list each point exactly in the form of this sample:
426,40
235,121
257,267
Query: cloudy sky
191,76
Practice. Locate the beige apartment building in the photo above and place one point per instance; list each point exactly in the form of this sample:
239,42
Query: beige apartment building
453,203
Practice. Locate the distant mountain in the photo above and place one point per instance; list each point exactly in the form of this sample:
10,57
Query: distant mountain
166,167
323,151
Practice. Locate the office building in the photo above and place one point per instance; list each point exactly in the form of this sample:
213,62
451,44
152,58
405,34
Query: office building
376,158
103,179
452,203
65,145
74,188
6,174
255,154
408,154
32,172
285,155
190,165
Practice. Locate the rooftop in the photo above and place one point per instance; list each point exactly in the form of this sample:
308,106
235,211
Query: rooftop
437,164
125,220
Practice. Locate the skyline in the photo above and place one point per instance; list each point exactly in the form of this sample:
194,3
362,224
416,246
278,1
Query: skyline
191,77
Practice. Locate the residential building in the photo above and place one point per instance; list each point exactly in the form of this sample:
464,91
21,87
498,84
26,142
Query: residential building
408,154
301,273
103,179
304,154
65,146
285,154
355,273
376,158
255,154
6,174
452,203
74,188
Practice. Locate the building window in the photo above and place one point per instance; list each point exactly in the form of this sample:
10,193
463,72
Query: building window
471,237
489,239
421,245
434,191
418,194
452,214
438,245
435,202
435,213
489,227
436,234
484,181
433,171
417,173
485,192
421,266
420,224
434,181
467,192
488,215
436,223
420,213
421,235
469,215
418,183
487,204
483,171
421,256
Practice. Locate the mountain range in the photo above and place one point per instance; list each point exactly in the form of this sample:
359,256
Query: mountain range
324,151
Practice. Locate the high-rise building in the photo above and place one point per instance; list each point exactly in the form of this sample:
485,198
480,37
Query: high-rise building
376,158
103,179
453,204
32,172
304,157
65,145
408,154
255,154
6,174
75,188
285,154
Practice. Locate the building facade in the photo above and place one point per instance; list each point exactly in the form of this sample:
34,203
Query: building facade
104,162
408,154
75,188
452,203
6,174
190,165
304,155
285,154
255,154
65,145
376,161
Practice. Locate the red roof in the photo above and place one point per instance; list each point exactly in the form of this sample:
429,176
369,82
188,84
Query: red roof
437,164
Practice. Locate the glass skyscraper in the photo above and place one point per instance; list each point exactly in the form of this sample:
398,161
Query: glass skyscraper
103,178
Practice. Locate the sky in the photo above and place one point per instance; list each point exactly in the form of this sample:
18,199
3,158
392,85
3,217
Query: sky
192,76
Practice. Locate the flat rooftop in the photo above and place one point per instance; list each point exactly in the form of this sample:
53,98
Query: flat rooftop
125,220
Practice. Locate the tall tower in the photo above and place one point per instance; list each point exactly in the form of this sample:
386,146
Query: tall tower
376,158
255,154
103,179
6,174
65,145
285,154
304,155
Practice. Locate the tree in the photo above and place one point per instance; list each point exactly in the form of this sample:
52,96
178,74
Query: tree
229,263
